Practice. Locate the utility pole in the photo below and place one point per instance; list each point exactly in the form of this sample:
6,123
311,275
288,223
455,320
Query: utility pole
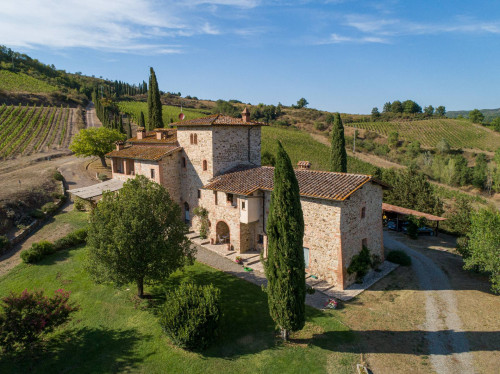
354,141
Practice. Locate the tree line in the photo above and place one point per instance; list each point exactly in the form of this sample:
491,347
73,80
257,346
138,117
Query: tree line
406,109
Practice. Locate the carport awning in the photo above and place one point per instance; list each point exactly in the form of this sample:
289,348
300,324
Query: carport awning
408,212
97,189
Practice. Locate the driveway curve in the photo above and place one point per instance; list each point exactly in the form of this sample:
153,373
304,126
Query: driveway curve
448,346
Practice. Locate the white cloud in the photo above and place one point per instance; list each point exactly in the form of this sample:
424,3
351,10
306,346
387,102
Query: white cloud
337,39
135,26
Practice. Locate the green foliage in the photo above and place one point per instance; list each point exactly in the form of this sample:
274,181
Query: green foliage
191,315
19,82
496,123
301,103
137,235
170,113
375,114
360,264
202,213
37,251
412,228
411,107
320,126
284,266
443,146
265,113
441,111
25,317
226,108
459,218
399,257
80,204
393,139
475,116
396,107
142,122
412,190
479,172
71,240
155,119
484,245
58,176
268,159
4,243
338,157
49,208
429,110
95,141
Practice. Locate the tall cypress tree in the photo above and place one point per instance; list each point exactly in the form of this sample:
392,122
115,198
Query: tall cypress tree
338,160
154,103
284,267
142,122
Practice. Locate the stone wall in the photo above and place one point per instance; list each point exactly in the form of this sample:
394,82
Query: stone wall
354,228
170,175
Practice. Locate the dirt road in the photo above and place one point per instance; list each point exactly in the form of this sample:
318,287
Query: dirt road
91,117
448,345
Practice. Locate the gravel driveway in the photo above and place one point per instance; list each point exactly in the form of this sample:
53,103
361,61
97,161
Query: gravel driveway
448,345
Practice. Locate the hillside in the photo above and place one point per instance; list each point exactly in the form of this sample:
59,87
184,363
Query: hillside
488,113
458,133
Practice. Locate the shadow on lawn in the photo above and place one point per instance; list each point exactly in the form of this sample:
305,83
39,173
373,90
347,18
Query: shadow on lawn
245,327
84,350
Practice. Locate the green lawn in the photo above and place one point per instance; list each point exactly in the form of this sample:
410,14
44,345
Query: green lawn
114,332
301,146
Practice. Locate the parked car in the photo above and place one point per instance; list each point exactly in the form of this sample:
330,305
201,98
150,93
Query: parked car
391,225
425,231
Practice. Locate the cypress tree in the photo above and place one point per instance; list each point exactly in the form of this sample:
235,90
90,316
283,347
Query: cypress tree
338,160
142,122
284,267
154,103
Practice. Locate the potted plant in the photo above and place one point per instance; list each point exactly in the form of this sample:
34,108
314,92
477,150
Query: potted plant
238,260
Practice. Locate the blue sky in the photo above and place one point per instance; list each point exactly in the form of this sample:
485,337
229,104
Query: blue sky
341,55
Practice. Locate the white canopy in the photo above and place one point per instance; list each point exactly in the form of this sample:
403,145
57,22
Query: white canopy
97,189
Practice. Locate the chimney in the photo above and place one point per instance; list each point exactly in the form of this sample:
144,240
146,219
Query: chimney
245,115
119,145
303,165
141,133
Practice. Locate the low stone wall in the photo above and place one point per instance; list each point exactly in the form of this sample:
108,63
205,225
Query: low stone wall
39,222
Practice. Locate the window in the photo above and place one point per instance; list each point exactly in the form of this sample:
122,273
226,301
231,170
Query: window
152,173
261,239
195,139
191,139
363,212
364,243
215,197
199,194
184,162
230,198
306,257
205,166
242,205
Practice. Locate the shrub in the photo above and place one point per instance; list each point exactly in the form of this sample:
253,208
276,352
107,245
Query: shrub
320,126
191,315
360,263
102,177
37,251
37,213
25,317
4,243
71,240
399,257
268,159
58,176
49,208
79,203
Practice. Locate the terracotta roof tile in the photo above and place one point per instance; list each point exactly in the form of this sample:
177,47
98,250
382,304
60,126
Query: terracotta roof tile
244,180
144,152
217,120
150,138
408,212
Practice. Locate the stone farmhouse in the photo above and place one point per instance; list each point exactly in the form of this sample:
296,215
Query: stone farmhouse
214,162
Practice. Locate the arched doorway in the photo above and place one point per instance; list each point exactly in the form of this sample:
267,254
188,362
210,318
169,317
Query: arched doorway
222,232
187,217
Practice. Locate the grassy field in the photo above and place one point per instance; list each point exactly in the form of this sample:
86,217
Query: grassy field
169,113
458,133
26,130
115,332
301,146
19,82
